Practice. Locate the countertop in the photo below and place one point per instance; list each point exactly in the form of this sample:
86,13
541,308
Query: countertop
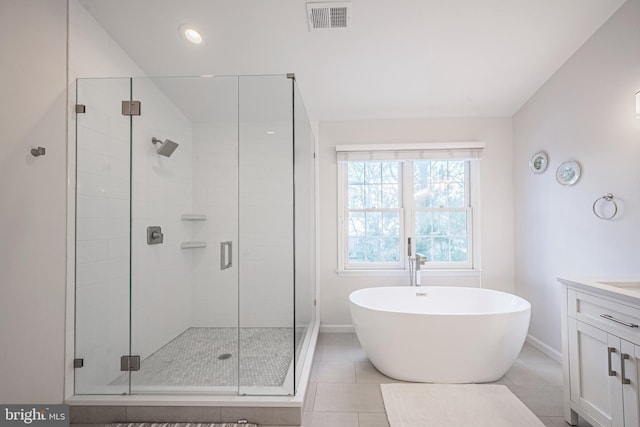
627,289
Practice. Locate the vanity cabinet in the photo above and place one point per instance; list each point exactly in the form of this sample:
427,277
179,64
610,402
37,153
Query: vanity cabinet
601,357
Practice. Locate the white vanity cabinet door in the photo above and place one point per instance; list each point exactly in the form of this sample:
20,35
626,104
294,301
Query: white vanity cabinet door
593,389
630,391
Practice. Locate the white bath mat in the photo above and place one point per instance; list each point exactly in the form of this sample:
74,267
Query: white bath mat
446,405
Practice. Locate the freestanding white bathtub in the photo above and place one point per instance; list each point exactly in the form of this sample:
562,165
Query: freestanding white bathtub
440,334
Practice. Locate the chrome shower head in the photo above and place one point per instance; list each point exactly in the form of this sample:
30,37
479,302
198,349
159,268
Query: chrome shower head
165,148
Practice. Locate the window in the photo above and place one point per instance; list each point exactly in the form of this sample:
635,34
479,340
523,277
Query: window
442,212
387,196
374,214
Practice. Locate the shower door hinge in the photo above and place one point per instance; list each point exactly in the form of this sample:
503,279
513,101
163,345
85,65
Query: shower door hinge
78,363
130,108
291,76
80,108
130,363
314,303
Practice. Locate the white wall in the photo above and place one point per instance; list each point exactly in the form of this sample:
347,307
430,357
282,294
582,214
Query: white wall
584,112
32,236
496,199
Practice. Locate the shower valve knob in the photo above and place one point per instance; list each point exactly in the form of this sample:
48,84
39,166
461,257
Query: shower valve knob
154,235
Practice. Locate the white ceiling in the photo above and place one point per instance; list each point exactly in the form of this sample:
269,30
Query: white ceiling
402,58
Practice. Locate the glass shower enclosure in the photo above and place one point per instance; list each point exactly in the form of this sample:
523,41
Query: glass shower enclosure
194,261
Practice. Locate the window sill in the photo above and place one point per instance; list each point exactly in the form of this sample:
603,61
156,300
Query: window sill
401,273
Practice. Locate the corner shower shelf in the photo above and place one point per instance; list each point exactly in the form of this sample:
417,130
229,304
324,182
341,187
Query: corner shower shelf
193,217
193,245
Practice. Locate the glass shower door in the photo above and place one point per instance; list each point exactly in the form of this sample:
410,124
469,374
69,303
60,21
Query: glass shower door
184,307
194,235
305,208
102,254
266,235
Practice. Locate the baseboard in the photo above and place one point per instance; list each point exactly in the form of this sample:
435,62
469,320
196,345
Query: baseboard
337,329
552,353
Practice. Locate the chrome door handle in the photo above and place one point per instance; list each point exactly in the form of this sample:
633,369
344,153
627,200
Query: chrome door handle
613,319
226,255
610,350
623,357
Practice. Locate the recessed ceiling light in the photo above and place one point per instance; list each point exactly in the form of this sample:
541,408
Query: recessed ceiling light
270,132
191,34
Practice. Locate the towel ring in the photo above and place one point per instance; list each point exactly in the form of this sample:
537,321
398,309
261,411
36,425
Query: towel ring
606,198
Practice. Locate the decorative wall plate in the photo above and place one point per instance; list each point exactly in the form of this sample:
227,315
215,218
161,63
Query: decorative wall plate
538,162
568,173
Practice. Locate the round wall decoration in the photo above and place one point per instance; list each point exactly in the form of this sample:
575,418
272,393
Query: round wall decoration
568,173
538,162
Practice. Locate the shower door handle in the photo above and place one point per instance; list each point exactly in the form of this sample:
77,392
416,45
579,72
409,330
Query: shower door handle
226,257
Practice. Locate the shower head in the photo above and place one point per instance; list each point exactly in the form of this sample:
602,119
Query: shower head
165,148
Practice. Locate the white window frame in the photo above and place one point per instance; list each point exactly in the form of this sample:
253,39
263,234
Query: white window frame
408,210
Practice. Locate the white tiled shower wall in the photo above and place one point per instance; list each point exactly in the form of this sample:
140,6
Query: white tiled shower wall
215,188
266,225
259,188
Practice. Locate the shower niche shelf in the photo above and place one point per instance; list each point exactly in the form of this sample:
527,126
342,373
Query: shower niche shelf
193,217
193,245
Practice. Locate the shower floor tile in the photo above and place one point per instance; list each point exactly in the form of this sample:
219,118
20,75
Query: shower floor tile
200,357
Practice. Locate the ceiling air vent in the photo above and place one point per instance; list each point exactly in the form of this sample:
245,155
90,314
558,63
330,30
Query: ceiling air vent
329,16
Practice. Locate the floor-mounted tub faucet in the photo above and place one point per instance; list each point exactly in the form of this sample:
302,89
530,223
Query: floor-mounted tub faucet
415,264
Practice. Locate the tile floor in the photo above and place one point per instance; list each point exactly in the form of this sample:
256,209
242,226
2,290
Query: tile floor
344,389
